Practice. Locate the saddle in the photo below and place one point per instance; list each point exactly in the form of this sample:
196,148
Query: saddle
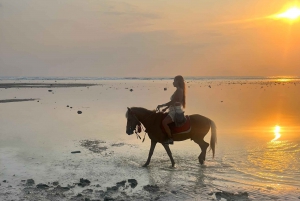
185,128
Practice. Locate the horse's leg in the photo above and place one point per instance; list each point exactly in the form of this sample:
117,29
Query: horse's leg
153,143
203,145
167,148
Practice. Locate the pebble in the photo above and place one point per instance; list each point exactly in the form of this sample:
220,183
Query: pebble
30,182
79,112
133,183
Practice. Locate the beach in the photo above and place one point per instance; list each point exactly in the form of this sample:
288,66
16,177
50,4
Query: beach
44,121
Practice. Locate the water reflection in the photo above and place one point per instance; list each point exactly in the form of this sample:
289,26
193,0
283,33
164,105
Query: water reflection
276,161
277,134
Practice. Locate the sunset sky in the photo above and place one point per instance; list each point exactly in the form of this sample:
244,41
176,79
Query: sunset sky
148,38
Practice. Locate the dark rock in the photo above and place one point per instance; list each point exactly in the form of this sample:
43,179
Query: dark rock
87,199
55,183
113,188
165,89
23,180
174,192
232,196
30,182
133,183
60,188
98,185
131,90
71,107
79,195
42,186
79,112
75,152
88,191
84,182
121,183
151,188
4,181
49,90
67,105
108,199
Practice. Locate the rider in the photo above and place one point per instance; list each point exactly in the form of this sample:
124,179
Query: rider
176,104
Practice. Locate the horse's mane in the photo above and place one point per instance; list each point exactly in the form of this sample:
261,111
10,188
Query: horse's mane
144,110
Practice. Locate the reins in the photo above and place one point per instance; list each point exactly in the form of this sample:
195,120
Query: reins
140,128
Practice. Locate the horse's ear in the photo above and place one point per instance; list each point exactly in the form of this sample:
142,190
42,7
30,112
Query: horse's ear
128,108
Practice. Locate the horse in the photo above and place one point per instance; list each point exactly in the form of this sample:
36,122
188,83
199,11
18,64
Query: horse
152,120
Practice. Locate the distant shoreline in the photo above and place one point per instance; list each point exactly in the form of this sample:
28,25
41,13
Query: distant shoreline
155,78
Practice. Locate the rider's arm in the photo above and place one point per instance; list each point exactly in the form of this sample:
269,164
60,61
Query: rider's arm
176,98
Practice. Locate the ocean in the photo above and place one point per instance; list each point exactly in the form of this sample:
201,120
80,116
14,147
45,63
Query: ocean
257,152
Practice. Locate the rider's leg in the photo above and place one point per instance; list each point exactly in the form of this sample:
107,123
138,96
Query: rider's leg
167,120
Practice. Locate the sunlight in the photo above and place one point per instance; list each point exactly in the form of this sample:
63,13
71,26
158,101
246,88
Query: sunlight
291,14
276,133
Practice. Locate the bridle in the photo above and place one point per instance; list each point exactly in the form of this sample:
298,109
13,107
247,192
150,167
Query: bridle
139,127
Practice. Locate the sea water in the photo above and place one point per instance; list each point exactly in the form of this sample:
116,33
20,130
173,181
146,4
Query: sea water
257,127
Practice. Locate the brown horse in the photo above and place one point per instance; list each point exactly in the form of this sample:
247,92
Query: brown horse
151,120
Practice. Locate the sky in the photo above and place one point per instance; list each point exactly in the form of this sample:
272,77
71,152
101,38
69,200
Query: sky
147,38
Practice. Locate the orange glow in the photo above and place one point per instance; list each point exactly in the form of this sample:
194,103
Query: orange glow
291,14
276,132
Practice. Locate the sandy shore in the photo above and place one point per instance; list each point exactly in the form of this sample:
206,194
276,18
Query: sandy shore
41,126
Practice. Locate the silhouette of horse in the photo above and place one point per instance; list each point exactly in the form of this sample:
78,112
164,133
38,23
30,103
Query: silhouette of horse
151,120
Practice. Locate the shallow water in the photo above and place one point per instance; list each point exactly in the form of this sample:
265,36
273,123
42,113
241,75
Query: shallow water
37,138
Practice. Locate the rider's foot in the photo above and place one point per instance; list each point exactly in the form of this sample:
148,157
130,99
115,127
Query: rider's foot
169,141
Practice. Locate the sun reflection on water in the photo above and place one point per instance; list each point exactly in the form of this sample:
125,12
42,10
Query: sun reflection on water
277,134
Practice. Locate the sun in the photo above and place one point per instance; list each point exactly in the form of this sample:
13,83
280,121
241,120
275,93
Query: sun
291,14
276,133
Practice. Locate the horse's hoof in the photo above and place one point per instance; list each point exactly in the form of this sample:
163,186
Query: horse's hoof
201,161
173,165
145,165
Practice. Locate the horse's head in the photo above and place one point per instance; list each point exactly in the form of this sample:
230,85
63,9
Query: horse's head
132,122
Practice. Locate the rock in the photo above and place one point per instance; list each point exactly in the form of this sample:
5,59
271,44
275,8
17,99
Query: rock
133,183
23,180
4,181
79,112
55,183
131,90
209,86
75,152
232,196
42,186
151,188
88,191
67,105
121,183
113,188
49,90
174,192
79,195
71,107
165,89
84,182
60,188
30,182
108,199
98,185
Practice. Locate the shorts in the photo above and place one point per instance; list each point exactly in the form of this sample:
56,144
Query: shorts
173,110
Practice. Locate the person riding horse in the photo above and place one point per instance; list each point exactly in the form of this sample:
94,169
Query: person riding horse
175,105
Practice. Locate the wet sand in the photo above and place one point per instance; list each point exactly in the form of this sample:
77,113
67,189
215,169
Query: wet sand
38,138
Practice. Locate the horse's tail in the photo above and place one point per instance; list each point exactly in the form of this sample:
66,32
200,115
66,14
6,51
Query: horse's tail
213,138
